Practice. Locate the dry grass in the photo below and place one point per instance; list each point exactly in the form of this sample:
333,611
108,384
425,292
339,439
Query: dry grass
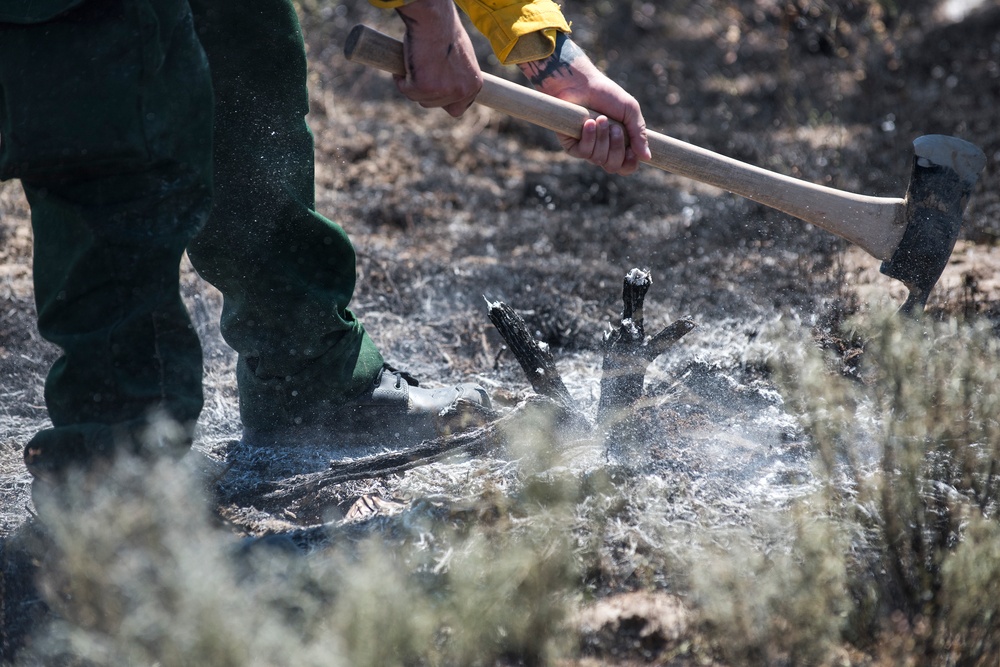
910,454
892,560
137,572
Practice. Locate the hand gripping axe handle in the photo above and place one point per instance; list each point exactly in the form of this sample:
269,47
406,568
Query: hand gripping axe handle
913,236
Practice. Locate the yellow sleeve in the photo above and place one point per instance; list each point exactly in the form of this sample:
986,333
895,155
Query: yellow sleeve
518,30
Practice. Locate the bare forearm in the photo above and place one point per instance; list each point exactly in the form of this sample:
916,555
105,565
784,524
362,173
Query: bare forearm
429,13
570,75
555,72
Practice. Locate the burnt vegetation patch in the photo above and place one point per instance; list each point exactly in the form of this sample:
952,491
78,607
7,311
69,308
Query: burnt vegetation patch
802,479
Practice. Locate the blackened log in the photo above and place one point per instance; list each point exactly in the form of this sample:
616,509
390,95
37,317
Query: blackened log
628,352
481,441
534,357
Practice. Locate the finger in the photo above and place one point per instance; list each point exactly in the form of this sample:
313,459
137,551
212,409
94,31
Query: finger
584,146
637,136
456,109
602,142
436,99
630,164
457,97
616,147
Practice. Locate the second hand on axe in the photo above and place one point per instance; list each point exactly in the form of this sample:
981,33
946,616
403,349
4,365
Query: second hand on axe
913,236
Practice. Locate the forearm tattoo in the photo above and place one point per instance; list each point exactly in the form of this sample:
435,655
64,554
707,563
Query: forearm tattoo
556,65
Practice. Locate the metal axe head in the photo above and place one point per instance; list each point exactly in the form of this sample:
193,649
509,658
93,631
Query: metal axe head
945,170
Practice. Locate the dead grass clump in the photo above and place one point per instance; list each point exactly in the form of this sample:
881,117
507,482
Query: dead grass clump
911,459
136,574
783,604
139,573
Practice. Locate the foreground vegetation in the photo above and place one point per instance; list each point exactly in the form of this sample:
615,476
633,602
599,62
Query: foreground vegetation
892,559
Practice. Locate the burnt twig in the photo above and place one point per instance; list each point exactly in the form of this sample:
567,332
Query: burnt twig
535,358
480,441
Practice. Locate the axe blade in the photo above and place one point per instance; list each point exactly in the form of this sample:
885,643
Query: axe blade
945,171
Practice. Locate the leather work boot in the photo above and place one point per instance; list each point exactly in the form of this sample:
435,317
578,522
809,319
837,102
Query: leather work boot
395,411
399,407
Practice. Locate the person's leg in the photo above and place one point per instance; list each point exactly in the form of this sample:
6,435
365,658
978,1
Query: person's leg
307,370
106,118
287,274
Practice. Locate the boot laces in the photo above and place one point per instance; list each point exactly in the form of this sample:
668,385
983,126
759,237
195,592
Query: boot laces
401,376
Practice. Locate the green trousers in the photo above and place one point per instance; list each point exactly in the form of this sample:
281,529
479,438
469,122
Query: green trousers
139,129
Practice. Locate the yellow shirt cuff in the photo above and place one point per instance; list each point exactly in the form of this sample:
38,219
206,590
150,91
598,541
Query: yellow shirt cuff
518,30
506,22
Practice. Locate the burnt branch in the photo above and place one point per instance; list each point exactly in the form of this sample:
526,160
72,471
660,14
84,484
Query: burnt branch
486,439
667,336
535,358
628,352
637,282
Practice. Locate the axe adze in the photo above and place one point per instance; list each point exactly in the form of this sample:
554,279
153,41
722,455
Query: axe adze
913,236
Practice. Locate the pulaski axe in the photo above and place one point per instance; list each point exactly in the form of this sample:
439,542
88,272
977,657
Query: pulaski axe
913,236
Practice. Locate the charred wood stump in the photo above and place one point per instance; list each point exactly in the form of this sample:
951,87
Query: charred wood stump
535,358
551,415
628,352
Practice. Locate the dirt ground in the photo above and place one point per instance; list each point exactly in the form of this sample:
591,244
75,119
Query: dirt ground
445,212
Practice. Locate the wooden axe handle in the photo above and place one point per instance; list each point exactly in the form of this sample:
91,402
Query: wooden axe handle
874,223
